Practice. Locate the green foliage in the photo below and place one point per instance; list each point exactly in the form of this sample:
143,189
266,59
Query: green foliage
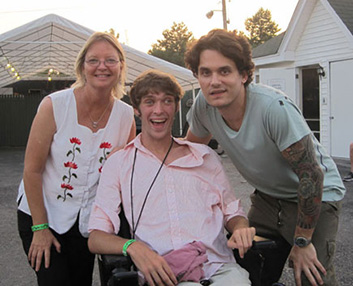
112,32
261,28
237,32
173,46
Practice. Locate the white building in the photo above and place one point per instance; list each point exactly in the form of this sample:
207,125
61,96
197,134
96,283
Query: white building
313,63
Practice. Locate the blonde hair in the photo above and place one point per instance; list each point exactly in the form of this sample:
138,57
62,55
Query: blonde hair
118,89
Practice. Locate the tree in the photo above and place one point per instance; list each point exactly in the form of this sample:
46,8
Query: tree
112,32
261,28
238,32
173,46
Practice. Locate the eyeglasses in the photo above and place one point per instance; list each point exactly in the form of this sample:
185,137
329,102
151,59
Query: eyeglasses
107,63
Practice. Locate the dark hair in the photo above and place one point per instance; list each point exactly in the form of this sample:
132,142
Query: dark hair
229,44
154,81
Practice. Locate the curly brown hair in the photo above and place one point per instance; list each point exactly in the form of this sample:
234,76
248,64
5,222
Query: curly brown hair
154,81
229,44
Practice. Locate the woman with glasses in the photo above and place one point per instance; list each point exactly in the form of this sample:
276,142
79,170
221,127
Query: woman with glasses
71,136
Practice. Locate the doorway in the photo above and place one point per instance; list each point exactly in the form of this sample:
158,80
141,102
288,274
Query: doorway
311,99
341,82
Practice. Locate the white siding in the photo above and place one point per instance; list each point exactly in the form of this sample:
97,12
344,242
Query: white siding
322,39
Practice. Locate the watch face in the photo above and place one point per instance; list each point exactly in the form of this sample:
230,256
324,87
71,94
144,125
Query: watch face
301,241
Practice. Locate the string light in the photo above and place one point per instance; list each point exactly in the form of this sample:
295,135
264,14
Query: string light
51,72
12,71
9,67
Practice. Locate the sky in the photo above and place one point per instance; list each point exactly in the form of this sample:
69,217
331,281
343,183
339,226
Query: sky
140,23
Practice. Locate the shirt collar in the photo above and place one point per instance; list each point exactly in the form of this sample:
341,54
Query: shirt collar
195,159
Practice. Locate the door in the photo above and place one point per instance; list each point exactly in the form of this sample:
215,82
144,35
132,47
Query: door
311,99
341,77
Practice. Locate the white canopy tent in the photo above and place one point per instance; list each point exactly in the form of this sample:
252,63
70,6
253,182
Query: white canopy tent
53,42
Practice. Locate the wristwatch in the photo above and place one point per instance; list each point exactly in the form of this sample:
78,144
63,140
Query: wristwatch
301,241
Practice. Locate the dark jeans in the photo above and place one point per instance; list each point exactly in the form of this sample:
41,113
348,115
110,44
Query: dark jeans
276,219
72,267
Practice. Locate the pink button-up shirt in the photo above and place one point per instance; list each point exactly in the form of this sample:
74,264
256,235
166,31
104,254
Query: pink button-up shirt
190,200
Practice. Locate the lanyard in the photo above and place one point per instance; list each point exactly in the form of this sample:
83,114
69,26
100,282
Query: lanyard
134,227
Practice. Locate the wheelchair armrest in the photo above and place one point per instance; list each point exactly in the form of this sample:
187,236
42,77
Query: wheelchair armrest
116,270
264,244
254,258
120,277
111,261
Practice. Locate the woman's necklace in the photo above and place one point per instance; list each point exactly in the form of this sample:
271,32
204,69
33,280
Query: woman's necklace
95,123
134,226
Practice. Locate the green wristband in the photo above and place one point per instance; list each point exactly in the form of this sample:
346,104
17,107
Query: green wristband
126,245
40,227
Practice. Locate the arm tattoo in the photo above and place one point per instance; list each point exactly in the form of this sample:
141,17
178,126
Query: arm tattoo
301,157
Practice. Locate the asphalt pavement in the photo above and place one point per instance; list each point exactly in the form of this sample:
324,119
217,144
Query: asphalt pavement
15,271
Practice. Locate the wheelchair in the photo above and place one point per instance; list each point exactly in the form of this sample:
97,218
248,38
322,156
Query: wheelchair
118,270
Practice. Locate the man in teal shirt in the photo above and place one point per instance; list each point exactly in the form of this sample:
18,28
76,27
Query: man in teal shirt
298,188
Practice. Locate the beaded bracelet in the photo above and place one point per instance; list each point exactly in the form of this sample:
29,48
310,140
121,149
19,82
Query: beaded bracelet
40,227
126,245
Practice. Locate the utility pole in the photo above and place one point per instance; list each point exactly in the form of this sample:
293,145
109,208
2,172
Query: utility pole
224,13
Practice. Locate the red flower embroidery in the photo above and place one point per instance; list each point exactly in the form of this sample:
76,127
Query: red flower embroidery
75,140
71,165
67,186
106,145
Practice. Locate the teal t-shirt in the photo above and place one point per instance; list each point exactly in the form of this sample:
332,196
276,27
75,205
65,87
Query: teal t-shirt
271,123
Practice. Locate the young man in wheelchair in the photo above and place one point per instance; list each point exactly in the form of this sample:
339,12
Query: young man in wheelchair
176,198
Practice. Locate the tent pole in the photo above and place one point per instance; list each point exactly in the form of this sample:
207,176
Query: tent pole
180,120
